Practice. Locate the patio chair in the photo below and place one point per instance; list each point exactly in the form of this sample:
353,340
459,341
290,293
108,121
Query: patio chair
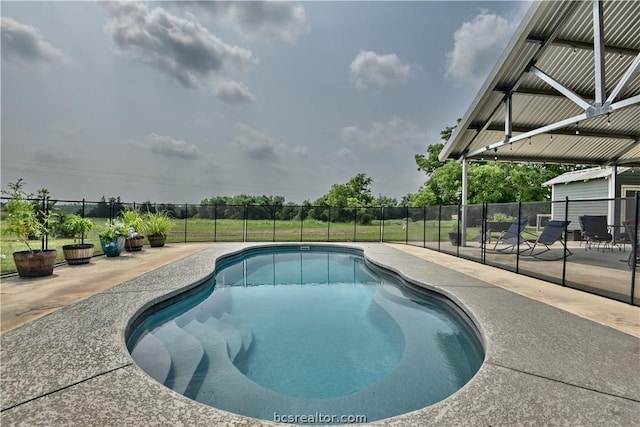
513,236
595,231
630,228
551,233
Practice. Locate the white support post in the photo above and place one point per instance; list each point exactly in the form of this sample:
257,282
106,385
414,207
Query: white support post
465,183
611,214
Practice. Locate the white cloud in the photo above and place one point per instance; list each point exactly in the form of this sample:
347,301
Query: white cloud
263,20
179,48
396,132
344,154
232,92
477,46
258,146
23,44
371,69
168,146
261,147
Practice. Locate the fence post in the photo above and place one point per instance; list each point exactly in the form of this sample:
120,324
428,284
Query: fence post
424,226
244,228
564,258
355,222
381,224
301,220
186,218
82,239
45,210
215,222
329,225
439,224
483,233
406,225
633,251
273,213
518,237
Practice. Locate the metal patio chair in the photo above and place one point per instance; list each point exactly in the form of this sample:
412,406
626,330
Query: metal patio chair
513,237
595,231
552,232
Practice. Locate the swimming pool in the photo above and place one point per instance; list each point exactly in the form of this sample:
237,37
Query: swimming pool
308,330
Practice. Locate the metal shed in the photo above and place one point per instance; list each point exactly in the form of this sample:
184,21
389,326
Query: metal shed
596,187
566,90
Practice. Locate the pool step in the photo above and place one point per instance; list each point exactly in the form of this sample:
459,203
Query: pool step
243,328
153,357
231,335
186,355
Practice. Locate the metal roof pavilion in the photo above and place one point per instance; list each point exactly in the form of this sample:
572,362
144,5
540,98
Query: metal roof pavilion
566,90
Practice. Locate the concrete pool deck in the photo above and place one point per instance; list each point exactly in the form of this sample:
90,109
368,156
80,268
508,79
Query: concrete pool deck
543,364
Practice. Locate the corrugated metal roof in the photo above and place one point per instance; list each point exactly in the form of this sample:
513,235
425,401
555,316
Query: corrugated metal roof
583,175
557,37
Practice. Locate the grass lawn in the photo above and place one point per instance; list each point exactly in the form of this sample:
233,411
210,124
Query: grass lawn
227,230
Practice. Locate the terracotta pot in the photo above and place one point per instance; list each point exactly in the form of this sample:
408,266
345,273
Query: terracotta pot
36,263
77,254
134,244
156,240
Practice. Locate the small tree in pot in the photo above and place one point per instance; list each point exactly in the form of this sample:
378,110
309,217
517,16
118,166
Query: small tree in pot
78,252
24,223
157,224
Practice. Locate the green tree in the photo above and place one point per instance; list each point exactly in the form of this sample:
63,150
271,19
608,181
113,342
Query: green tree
488,182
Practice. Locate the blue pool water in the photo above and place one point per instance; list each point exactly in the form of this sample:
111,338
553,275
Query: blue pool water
284,330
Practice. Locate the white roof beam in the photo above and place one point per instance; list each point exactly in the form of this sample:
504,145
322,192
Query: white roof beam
628,75
634,100
598,52
621,153
571,95
582,45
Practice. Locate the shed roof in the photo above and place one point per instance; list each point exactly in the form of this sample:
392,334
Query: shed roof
563,91
583,175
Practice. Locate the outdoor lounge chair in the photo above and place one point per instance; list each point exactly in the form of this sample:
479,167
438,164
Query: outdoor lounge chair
595,231
513,236
551,233
630,228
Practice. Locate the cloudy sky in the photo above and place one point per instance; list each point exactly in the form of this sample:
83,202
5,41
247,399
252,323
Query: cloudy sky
180,101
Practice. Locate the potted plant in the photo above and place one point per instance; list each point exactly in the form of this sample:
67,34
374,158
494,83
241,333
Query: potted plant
78,252
135,224
454,234
157,224
24,223
112,238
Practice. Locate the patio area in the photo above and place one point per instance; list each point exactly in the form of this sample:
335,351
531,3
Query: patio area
601,271
545,362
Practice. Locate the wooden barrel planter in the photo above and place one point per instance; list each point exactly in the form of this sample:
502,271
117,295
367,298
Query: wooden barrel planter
134,244
36,263
77,254
156,240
